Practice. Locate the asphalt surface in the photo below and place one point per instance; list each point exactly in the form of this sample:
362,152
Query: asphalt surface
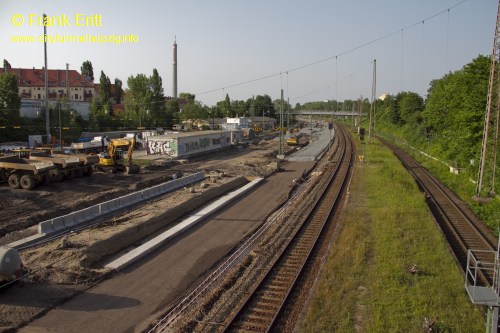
129,300
321,136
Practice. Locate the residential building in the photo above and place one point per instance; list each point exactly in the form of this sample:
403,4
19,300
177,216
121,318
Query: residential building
62,83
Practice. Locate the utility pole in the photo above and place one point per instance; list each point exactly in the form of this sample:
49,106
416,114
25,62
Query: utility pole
489,147
288,114
282,124
60,124
67,81
371,127
46,74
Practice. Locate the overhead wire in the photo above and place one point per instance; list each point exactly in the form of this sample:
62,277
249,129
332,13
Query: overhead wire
300,67
265,77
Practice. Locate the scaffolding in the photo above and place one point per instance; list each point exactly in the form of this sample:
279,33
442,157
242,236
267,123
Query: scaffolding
482,283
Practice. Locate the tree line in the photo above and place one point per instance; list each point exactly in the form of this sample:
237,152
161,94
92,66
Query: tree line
451,116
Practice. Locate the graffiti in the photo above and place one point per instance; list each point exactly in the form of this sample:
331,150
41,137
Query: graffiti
162,148
195,146
191,146
204,143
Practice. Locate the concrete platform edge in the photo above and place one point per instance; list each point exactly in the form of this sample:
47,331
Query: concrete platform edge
146,248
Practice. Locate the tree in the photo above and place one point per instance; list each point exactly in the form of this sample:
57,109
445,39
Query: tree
6,66
239,108
10,101
87,70
173,111
158,112
408,107
104,88
193,110
264,105
455,111
227,106
100,119
105,94
138,99
118,90
187,96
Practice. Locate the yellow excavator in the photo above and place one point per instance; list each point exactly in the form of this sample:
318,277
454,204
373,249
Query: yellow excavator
115,158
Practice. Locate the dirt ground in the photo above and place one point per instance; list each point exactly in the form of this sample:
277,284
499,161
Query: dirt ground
62,268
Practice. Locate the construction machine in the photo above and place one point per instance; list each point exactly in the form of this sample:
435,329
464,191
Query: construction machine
115,158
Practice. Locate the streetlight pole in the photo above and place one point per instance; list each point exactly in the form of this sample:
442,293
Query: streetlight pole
60,125
46,73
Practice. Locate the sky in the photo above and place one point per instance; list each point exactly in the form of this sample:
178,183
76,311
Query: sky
312,49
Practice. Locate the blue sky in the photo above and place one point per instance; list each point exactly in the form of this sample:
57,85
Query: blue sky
223,43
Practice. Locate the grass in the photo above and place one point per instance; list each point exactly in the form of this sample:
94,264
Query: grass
142,162
366,285
463,185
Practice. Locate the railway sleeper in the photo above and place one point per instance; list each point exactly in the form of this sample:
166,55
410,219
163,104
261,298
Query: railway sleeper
250,327
300,253
304,245
277,289
294,261
262,314
280,284
283,279
253,318
271,294
268,301
285,272
290,270
265,306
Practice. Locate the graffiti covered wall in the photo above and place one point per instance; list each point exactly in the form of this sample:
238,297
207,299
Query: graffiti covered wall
203,143
183,145
162,147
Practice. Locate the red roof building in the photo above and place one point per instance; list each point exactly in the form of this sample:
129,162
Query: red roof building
61,83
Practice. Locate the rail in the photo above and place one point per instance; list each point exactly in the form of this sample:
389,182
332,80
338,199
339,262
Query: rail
461,228
265,302
210,283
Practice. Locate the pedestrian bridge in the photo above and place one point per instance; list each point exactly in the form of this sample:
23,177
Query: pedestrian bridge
328,113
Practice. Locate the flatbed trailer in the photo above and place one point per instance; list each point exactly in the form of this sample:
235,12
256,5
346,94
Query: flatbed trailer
87,162
67,167
24,173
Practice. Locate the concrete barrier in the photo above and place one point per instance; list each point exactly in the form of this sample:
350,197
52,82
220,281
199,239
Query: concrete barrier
57,224
84,215
92,211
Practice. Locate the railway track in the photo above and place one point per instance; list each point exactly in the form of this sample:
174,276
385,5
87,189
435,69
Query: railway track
263,305
461,228
285,244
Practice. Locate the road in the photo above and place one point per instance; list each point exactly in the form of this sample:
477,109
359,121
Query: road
129,300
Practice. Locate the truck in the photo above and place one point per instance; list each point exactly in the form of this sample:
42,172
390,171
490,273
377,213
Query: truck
96,145
25,173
